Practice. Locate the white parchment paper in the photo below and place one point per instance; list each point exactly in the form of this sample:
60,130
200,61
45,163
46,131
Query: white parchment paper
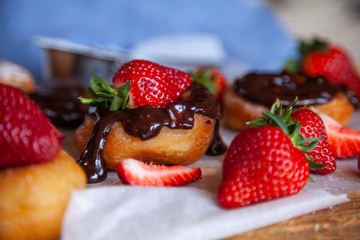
110,210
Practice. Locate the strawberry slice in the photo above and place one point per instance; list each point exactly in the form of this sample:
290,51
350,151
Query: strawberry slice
344,141
134,172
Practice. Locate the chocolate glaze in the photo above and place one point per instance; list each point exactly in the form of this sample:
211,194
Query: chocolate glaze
265,88
61,104
147,123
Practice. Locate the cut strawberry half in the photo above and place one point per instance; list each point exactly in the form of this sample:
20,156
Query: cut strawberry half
134,172
344,141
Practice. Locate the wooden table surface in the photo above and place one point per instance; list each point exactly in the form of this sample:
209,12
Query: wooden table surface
339,222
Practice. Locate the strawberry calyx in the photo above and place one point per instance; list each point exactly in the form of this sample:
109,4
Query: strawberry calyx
315,44
104,95
282,119
206,77
304,48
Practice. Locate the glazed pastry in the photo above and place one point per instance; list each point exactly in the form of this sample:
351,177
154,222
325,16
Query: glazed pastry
37,177
17,76
163,131
255,93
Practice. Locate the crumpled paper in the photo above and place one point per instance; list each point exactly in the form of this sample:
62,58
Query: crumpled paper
110,210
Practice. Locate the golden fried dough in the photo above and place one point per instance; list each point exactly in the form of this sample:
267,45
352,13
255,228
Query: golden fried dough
171,146
33,198
238,111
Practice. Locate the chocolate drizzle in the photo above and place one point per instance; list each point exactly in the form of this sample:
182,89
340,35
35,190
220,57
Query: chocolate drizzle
147,123
265,88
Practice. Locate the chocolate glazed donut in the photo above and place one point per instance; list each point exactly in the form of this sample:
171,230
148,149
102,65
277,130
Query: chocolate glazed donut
147,123
255,93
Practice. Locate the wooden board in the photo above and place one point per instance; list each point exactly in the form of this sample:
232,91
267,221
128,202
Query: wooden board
339,222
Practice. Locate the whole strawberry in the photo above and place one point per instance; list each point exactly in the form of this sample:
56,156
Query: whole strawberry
212,78
26,135
320,58
266,161
261,164
151,84
313,126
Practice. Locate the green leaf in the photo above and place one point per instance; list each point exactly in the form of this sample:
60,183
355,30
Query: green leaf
314,165
104,95
207,78
310,179
278,120
315,44
87,100
124,90
99,84
92,93
125,102
292,65
310,140
116,103
258,122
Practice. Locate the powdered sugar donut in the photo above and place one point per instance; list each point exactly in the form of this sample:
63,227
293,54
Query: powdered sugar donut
17,76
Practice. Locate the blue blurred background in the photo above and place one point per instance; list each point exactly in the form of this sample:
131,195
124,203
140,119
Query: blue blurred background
249,31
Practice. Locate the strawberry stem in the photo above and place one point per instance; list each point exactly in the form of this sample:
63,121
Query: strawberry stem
304,48
282,119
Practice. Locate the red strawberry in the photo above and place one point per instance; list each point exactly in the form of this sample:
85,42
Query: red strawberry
322,59
261,164
151,84
344,141
313,126
26,135
134,172
266,161
212,78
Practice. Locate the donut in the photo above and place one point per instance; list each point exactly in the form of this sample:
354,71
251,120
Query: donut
181,133
60,104
255,93
33,198
17,76
170,146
